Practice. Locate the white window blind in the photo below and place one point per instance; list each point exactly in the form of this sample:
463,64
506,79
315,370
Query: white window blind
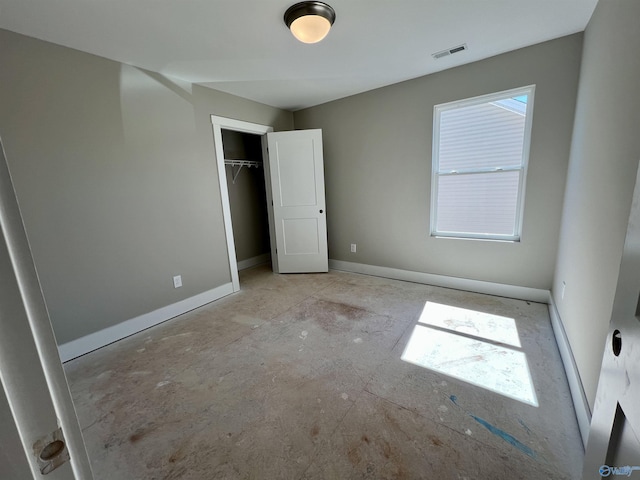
480,154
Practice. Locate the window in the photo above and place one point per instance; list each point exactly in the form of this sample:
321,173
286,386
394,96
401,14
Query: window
480,153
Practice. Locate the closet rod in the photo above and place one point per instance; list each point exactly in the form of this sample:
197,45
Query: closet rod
240,164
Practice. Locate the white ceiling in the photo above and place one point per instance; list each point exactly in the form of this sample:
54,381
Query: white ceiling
243,46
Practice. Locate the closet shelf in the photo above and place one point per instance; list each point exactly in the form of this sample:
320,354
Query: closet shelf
240,164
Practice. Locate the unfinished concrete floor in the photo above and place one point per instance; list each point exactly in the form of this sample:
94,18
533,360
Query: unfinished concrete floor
302,377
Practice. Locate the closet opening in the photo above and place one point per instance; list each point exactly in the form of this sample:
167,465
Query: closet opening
244,168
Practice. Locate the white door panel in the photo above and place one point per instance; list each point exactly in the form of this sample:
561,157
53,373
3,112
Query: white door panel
296,183
296,165
615,426
300,236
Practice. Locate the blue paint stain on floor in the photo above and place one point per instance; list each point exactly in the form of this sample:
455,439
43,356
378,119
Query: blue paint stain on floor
524,425
510,439
506,437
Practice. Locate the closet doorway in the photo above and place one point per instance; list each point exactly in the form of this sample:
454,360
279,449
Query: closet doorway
292,166
240,154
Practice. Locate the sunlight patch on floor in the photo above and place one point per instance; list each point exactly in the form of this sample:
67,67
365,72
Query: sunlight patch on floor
471,346
471,322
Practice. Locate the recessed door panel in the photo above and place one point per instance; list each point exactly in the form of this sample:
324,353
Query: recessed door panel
296,168
300,236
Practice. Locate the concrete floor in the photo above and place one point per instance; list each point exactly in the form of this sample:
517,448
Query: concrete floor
302,377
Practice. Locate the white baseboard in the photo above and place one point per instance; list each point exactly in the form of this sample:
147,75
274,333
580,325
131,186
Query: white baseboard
502,290
99,339
254,261
580,403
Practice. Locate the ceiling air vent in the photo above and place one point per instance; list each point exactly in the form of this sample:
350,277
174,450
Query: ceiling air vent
450,51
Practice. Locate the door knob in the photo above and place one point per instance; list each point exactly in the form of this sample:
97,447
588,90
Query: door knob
321,211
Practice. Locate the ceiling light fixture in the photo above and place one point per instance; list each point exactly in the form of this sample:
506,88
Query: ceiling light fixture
310,21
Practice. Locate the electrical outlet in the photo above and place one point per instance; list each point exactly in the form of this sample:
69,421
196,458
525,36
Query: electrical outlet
564,287
177,281
353,248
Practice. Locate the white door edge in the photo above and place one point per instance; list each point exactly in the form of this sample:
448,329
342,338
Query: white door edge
220,123
31,373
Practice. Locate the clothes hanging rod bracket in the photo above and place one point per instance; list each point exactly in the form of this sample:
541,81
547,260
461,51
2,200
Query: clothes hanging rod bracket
240,164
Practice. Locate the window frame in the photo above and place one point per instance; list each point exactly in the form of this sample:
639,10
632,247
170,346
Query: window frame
528,90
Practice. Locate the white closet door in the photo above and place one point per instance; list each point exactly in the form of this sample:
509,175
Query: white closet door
296,171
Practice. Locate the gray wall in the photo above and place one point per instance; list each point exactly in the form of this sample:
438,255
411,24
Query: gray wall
115,172
378,168
602,170
247,199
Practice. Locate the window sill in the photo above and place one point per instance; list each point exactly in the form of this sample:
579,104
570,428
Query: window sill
453,237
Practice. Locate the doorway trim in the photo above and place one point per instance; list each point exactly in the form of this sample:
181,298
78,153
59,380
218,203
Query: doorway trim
220,123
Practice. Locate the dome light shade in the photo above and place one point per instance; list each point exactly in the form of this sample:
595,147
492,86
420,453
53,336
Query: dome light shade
310,22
